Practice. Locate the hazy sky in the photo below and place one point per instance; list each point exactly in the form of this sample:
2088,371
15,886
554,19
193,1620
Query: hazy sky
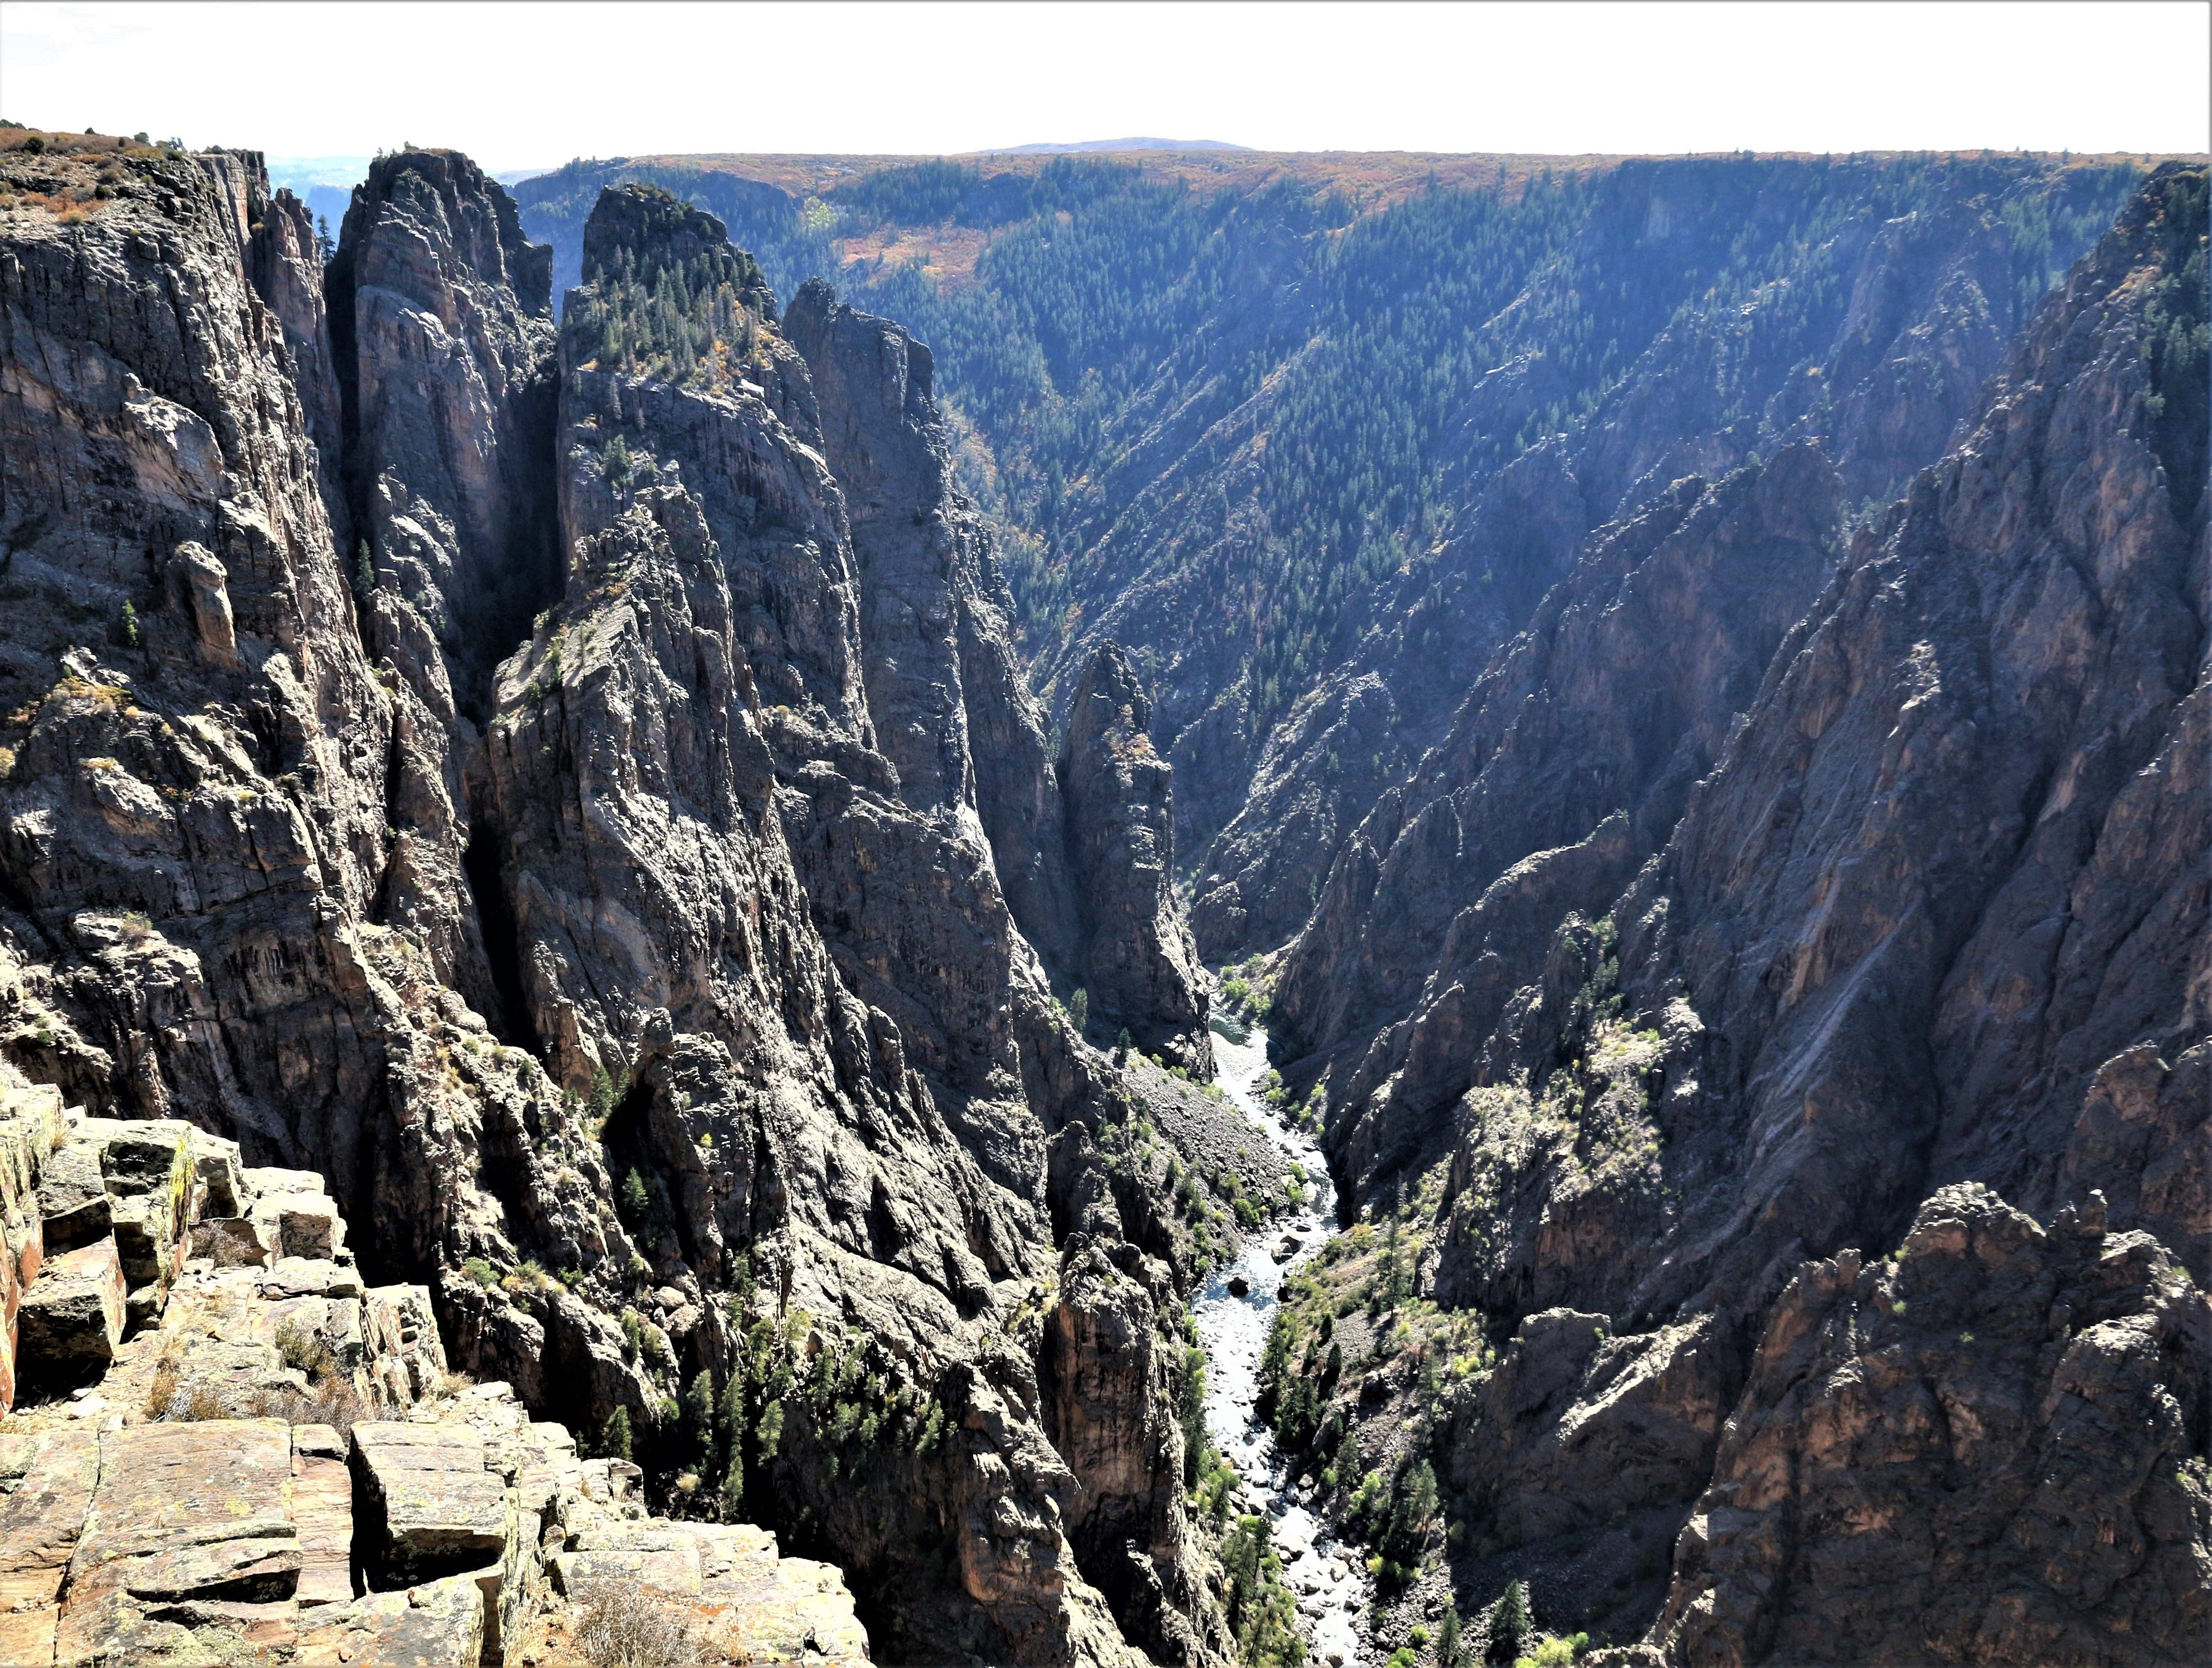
520,85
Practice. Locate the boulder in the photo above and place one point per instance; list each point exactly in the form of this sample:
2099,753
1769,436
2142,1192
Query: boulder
73,1198
298,1219
72,1315
429,1503
217,1176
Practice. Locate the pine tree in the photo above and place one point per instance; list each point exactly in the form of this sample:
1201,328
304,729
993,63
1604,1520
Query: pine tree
1509,1624
614,1440
1078,1010
733,1489
1450,1653
635,1200
603,1094
699,1414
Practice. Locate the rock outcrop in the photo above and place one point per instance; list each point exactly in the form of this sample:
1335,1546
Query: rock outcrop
1112,1370
277,1462
1988,1447
722,860
1140,966
783,929
442,313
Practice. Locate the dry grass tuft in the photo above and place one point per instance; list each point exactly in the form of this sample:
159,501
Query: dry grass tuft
622,1624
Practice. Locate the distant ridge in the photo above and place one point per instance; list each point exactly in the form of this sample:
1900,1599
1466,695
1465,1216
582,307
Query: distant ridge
1111,144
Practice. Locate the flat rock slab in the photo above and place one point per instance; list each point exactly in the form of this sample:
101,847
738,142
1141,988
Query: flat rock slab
29,1637
191,1511
42,1515
322,1511
438,1624
428,1504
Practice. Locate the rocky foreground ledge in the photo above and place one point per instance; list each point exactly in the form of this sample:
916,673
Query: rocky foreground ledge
221,1447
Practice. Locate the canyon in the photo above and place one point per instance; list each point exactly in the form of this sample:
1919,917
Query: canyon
699,821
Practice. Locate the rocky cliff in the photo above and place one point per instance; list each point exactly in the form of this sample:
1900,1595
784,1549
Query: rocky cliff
1567,766
1141,967
1922,965
260,1457
1870,335
655,1000
1310,436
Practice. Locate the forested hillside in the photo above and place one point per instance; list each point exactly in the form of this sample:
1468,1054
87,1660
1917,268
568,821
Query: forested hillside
1313,435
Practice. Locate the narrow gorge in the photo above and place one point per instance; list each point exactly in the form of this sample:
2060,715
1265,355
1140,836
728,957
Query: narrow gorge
1334,918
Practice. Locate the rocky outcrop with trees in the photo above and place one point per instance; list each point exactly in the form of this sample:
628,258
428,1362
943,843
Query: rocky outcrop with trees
643,985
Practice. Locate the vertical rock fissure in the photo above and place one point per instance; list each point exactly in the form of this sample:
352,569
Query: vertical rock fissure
482,864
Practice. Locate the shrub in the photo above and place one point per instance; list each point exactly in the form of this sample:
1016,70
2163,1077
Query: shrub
1552,1651
303,1347
624,1625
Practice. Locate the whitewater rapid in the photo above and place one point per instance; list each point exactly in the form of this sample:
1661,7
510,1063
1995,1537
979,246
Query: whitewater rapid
1330,1579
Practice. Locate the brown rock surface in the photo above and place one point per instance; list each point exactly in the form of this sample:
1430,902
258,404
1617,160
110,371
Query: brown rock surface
1986,1449
71,1319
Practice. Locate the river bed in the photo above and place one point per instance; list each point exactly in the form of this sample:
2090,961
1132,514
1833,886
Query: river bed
1329,1579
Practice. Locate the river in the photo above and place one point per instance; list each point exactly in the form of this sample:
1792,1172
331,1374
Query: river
1330,1579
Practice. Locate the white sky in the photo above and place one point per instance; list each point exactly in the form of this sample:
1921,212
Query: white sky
531,84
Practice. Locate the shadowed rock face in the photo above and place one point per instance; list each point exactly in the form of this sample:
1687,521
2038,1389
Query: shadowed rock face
1955,862
725,853
444,326
1566,767
1924,931
437,358
1141,967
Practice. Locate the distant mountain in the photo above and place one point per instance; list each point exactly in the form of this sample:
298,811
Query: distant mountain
1098,145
